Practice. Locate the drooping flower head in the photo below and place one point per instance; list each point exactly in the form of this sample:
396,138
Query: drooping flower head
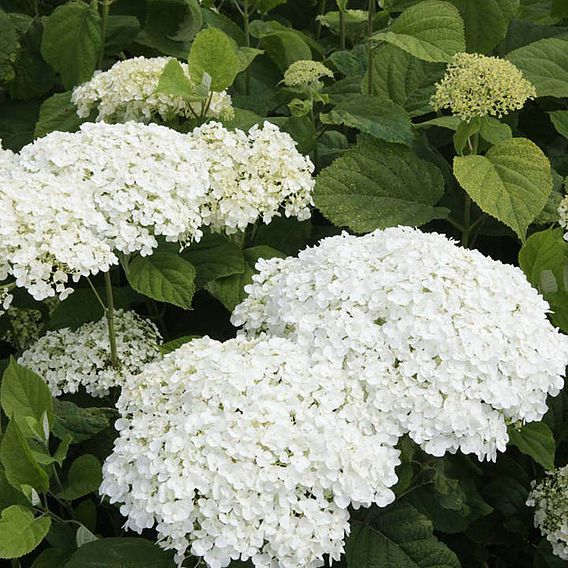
477,85
246,449
306,74
253,175
549,497
68,360
127,91
444,337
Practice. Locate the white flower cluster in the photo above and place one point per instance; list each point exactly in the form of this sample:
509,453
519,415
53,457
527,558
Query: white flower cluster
127,91
549,497
68,359
444,337
253,175
5,300
75,199
247,449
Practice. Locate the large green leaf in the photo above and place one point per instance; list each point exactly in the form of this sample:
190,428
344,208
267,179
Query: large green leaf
20,532
20,466
431,30
8,47
58,113
397,537
404,79
545,64
376,185
26,395
121,553
377,116
535,440
486,21
214,52
560,120
285,47
72,41
80,423
163,276
84,477
511,182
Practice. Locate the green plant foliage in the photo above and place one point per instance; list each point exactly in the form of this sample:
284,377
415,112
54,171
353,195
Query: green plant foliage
535,440
20,532
84,477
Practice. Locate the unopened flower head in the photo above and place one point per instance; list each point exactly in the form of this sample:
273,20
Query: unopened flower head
444,337
25,327
476,86
247,449
75,199
253,176
68,360
563,215
549,497
127,91
306,74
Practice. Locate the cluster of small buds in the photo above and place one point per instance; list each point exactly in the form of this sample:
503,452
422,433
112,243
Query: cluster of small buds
5,299
128,91
549,497
69,359
477,85
25,327
306,74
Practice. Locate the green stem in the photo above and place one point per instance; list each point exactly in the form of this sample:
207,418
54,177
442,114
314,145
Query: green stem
321,10
246,29
370,20
110,321
473,143
104,26
342,29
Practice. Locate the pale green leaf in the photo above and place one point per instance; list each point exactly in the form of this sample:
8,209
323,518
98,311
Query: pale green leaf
20,532
535,440
285,47
560,120
173,81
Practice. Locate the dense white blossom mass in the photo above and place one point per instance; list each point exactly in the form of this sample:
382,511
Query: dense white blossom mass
248,449
445,336
549,497
128,91
68,359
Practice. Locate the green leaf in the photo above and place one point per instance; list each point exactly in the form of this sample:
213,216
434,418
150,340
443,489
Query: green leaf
25,394
486,22
173,80
464,131
264,6
285,47
80,423
72,41
430,30
121,32
230,290
17,122
8,47
51,558
560,120
545,64
121,553
535,440
9,495
494,131
377,185
57,113
20,532
214,257
176,343
163,276
397,537
404,79
372,115
20,466
171,25
84,477
214,52
33,76
511,182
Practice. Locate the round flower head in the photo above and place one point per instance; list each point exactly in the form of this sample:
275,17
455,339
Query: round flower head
253,175
444,337
246,449
306,74
127,91
549,497
68,359
25,327
74,199
563,215
476,86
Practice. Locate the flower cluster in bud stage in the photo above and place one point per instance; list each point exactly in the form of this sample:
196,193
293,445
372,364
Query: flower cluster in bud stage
549,497
69,359
306,74
128,91
72,202
476,86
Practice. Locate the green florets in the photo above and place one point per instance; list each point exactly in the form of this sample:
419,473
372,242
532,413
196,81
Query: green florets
476,86
305,73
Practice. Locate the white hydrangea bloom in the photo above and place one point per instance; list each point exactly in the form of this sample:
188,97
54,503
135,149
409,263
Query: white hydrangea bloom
254,175
127,91
5,300
549,497
455,344
68,359
75,199
247,449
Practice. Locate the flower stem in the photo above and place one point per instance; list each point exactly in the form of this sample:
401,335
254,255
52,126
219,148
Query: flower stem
321,10
104,25
370,19
473,143
341,29
246,29
110,321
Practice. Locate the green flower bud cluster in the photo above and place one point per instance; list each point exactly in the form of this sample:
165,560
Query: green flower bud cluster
306,74
476,86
